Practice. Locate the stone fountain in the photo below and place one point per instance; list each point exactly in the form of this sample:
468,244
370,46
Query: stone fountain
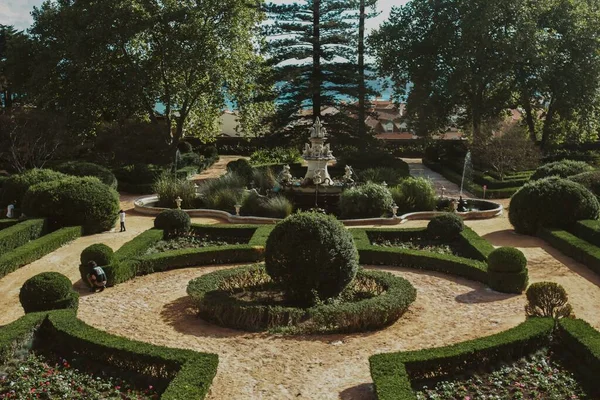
318,155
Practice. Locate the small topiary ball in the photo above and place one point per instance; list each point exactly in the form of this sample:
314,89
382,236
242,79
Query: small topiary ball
507,259
48,291
551,202
311,256
447,226
99,252
173,222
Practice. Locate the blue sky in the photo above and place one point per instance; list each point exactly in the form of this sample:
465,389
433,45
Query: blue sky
16,12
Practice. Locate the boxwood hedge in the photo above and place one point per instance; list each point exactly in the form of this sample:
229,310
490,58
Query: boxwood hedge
20,234
189,373
574,247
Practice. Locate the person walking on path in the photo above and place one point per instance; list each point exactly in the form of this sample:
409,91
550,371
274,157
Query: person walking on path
122,219
10,210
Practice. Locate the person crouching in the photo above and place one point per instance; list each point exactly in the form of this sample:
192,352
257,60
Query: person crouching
96,277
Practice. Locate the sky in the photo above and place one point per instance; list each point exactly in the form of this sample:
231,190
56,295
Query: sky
17,12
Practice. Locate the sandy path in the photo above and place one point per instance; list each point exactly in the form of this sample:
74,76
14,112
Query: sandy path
217,169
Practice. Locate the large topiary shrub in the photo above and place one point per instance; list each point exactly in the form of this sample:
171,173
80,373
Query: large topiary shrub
74,201
446,227
563,169
15,187
551,202
241,168
48,291
99,252
82,168
547,299
367,201
507,270
312,256
414,194
589,180
173,222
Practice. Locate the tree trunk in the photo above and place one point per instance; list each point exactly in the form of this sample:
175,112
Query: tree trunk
476,117
548,125
316,78
529,118
362,89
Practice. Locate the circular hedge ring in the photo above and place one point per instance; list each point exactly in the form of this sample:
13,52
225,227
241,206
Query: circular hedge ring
223,298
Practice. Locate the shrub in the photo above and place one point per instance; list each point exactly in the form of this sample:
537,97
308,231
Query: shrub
446,226
241,168
277,155
74,201
210,152
139,173
551,202
507,259
20,234
563,169
173,222
223,193
414,194
312,256
184,147
508,282
82,168
547,299
190,159
99,252
272,207
367,201
263,179
168,188
589,180
48,291
391,176
16,186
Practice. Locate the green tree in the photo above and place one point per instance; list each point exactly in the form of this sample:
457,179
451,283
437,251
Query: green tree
118,58
15,65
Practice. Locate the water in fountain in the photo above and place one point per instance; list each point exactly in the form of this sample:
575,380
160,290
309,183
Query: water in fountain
467,171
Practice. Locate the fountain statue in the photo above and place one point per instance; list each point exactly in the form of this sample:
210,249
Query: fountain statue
318,155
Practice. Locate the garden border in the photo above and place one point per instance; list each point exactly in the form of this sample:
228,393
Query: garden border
569,244
190,373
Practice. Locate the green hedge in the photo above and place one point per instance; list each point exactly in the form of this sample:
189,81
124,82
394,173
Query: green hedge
392,373
574,247
190,373
7,223
582,342
36,249
20,234
473,244
588,230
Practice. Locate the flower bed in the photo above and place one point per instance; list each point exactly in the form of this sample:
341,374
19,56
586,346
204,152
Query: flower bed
191,242
246,298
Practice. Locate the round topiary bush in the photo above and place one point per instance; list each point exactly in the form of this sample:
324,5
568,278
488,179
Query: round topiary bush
99,252
312,256
74,201
446,226
185,147
82,168
173,222
507,270
414,194
241,168
48,291
562,169
367,201
589,180
15,187
551,202
507,259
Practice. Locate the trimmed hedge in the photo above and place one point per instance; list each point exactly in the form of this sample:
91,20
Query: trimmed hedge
373,313
563,169
7,223
15,187
190,373
507,269
392,373
83,168
173,222
590,180
588,230
20,234
48,291
100,253
508,282
582,343
446,226
574,247
36,249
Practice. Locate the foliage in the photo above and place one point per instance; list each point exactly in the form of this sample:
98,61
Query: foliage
245,298
74,201
36,375
222,193
241,168
551,202
390,176
414,194
263,179
190,242
138,178
394,373
507,259
185,147
81,168
99,253
562,169
590,180
366,201
48,291
526,378
272,207
173,222
36,249
583,341
168,187
15,187
20,234
429,247
447,226
312,256
277,155
547,299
